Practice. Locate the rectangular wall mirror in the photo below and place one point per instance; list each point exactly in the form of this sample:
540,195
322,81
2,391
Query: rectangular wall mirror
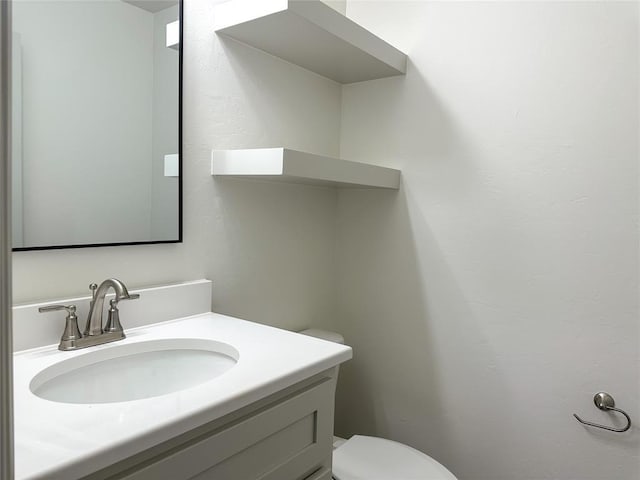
96,123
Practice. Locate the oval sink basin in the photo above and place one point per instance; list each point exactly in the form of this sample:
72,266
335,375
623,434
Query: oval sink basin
134,371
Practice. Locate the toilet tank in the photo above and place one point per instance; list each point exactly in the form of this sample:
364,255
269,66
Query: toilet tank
324,335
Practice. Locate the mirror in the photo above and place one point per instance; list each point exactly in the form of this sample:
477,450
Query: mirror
96,123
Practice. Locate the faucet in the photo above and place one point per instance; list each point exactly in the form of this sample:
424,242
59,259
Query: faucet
94,333
94,319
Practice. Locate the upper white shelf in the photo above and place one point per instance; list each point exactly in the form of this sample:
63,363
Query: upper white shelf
293,166
312,35
173,35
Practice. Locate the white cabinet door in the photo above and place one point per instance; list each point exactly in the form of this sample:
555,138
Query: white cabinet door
288,440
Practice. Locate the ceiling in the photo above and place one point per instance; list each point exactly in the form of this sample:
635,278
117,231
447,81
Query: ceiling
152,6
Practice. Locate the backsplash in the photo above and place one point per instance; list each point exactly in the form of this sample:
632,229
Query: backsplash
32,329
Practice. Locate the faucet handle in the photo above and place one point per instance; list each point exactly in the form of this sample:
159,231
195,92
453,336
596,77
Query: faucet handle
71,332
131,296
113,321
71,309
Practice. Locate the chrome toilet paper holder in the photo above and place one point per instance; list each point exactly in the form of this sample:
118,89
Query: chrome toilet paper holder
605,402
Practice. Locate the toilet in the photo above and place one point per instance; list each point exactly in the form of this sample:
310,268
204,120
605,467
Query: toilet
372,458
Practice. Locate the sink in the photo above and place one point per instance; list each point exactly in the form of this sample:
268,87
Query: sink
134,371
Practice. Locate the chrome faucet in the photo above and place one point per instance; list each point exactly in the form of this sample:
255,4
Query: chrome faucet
94,333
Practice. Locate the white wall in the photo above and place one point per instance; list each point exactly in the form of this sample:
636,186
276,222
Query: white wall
267,247
86,121
339,5
493,295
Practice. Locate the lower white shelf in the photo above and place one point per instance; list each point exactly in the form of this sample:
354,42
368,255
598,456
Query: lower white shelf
283,164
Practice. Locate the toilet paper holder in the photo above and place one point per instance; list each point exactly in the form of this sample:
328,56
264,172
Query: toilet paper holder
605,402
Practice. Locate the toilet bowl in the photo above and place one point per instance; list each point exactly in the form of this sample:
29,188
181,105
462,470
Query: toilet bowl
372,458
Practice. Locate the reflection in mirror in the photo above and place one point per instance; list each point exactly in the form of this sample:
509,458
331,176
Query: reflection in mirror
96,122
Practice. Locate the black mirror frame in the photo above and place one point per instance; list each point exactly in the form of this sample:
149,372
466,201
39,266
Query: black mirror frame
180,167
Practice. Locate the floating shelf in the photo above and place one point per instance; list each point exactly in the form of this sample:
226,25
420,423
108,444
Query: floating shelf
283,164
172,165
173,35
312,35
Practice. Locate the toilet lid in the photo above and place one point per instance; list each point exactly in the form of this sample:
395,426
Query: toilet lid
372,458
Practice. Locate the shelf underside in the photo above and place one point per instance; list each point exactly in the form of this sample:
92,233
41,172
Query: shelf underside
312,35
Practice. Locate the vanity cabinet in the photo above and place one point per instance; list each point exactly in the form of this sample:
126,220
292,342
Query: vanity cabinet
285,436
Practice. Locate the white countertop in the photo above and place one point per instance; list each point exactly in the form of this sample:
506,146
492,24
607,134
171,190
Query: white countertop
67,441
